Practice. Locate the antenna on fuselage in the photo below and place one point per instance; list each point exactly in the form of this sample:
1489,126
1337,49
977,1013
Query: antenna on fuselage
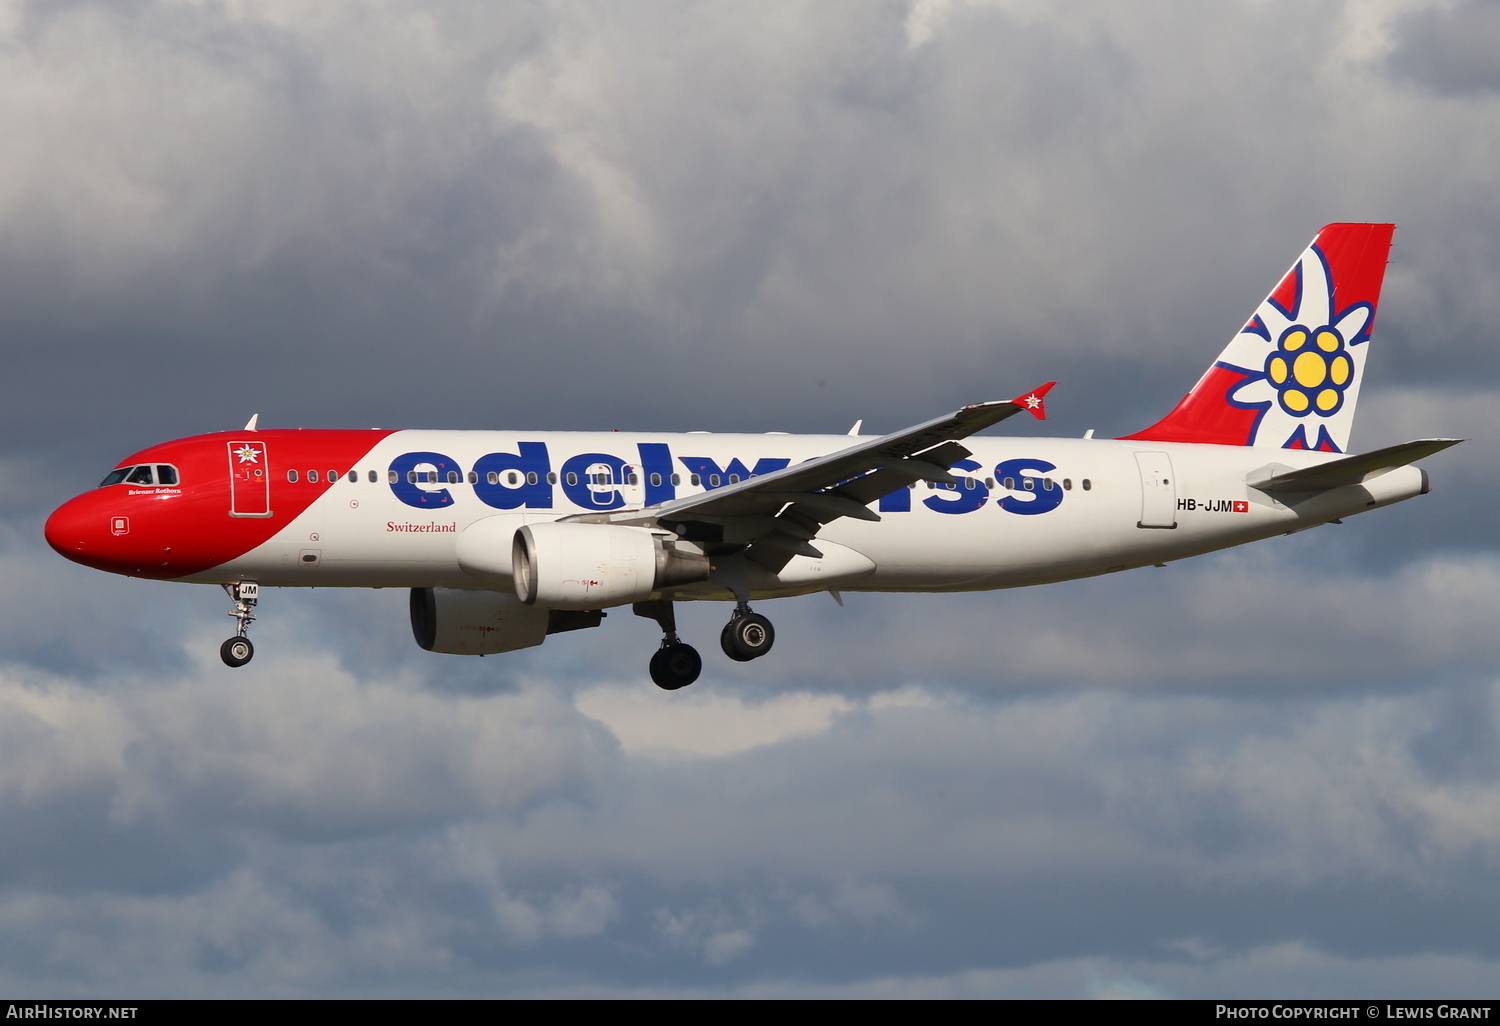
254,419
857,425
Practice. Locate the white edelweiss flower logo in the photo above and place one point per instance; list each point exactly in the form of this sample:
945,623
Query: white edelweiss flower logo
1305,365
248,454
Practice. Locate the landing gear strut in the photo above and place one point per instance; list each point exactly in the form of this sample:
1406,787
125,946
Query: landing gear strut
238,651
675,664
747,635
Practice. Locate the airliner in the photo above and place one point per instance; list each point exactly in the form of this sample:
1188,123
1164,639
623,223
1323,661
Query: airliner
507,537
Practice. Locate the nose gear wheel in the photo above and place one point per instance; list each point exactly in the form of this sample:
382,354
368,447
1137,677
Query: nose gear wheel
238,651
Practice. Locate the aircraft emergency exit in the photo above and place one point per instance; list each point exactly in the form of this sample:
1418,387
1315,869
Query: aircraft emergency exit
506,537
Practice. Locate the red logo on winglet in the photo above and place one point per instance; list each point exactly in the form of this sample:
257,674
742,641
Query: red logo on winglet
1032,402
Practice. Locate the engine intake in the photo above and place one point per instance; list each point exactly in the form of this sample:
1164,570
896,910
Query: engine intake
591,566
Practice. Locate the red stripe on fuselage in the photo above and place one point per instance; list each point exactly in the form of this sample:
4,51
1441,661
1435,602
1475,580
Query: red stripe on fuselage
176,531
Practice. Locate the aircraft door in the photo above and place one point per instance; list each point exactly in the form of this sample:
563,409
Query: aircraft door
1158,490
632,486
249,480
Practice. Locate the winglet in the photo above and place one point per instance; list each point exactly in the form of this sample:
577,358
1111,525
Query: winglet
1032,403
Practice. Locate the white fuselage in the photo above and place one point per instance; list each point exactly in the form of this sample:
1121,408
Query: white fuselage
1111,505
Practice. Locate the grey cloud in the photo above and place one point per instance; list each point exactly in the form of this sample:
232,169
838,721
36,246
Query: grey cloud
940,839
1451,49
314,210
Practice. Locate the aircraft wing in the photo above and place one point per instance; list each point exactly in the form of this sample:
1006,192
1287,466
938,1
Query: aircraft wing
778,514
1347,471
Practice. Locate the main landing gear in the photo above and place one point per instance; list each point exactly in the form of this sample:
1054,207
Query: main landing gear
675,665
238,651
747,635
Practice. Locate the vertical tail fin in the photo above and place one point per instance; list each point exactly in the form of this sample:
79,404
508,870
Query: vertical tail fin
1290,379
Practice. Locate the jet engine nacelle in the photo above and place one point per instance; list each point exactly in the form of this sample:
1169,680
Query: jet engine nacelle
592,566
461,622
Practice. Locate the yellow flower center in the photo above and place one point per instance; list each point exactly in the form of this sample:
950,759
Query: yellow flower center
1310,369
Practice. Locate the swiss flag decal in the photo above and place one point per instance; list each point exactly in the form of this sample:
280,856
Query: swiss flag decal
1241,507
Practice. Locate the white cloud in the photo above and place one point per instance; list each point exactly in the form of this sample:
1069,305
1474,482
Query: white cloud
704,722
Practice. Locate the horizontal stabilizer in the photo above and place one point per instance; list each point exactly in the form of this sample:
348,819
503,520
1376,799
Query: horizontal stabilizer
1348,471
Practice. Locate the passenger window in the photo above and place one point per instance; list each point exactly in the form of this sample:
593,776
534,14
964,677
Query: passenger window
432,477
531,477
1087,484
312,476
1010,484
114,477
1029,483
492,478
970,483
166,475
572,479
353,477
511,480
473,477
411,476
655,480
140,475
734,479
373,478
1067,484
1046,484
391,478
635,479
713,480
453,477
676,479
989,482
551,477
291,475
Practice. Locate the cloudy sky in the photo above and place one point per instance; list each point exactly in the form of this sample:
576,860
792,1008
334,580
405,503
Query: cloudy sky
1270,772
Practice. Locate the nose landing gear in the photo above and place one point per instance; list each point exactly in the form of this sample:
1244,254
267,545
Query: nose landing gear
676,664
747,635
238,651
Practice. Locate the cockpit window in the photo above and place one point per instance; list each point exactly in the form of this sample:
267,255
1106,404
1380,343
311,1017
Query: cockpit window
146,474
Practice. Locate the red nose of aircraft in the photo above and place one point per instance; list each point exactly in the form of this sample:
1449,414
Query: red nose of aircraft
85,532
